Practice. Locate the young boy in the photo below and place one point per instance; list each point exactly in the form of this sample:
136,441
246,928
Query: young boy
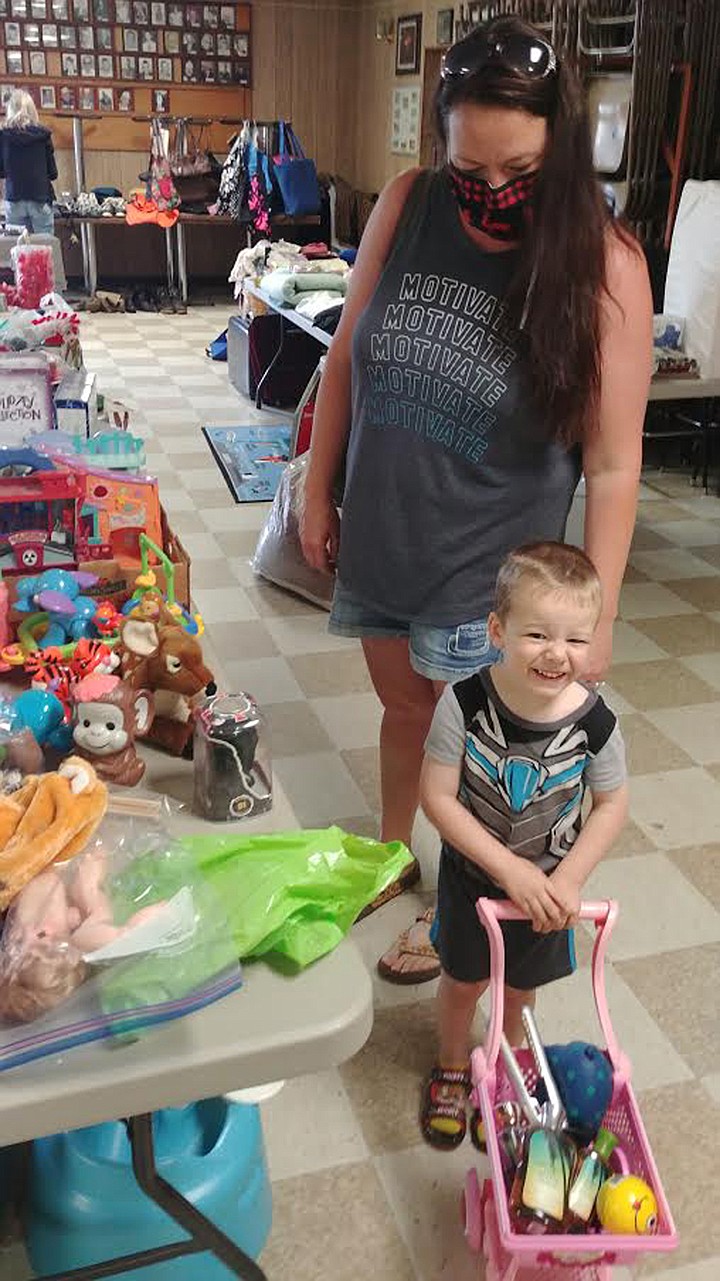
509,757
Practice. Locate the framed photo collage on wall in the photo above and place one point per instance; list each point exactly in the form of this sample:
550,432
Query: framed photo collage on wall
62,51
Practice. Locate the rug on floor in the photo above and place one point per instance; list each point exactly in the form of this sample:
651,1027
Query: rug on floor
251,459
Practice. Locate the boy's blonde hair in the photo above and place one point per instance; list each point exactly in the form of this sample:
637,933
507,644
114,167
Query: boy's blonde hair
547,567
20,110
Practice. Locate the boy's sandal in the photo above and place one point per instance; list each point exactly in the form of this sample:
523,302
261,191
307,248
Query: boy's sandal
443,1119
412,957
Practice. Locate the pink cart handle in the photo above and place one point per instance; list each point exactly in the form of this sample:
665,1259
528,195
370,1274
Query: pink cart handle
604,914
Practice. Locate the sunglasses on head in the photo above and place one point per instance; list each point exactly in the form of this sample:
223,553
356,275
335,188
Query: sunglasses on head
531,55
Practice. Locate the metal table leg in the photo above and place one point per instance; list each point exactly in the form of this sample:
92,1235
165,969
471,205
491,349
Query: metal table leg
182,259
85,234
204,1235
92,272
169,258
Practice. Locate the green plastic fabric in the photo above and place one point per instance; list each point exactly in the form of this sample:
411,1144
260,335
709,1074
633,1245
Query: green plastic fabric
292,896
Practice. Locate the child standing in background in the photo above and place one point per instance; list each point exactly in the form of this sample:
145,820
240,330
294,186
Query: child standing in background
509,758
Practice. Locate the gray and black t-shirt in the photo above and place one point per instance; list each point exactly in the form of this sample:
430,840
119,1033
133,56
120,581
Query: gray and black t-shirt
449,464
525,781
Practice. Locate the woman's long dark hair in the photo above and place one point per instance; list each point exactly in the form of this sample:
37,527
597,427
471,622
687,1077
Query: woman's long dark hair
561,279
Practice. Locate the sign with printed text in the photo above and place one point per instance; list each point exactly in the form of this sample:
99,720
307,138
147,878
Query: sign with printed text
25,399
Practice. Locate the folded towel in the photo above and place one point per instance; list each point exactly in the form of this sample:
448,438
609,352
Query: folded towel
311,305
287,288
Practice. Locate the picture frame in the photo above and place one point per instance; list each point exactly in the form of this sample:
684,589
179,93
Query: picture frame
158,14
18,8
81,10
126,100
69,64
38,63
86,38
103,36
190,43
106,98
194,15
14,62
165,69
208,72
49,35
48,98
106,66
131,40
88,69
6,92
241,74
241,44
176,15
408,45
60,10
227,17
102,10
12,35
141,13
477,13
224,72
31,34
146,68
38,9
444,27
223,44
123,12
3,8
67,98
211,16
128,67
68,38
207,44
149,41
190,74
161,101
171,41
86,98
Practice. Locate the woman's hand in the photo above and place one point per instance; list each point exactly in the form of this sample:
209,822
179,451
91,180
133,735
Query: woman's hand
320,533
600,653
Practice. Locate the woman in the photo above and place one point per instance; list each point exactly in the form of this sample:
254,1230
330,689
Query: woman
27,163
496,341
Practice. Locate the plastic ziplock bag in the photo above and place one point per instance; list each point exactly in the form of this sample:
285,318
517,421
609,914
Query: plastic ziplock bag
292,896
278,555
122,937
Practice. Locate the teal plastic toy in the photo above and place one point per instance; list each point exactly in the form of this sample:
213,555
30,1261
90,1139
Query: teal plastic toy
85,1206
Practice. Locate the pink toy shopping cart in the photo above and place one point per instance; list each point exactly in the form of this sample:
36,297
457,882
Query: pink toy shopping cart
512,1255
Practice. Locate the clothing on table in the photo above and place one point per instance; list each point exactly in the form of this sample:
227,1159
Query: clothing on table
288,287
314,304
27,163
444,654
329,319
450,465
37,218
525,781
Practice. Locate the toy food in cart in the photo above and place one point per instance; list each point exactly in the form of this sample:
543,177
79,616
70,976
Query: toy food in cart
591,1170
627,1205
584,1079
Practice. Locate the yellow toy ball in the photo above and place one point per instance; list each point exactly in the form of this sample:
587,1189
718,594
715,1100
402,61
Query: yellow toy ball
627,1205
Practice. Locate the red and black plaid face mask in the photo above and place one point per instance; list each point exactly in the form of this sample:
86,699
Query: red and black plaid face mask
500,212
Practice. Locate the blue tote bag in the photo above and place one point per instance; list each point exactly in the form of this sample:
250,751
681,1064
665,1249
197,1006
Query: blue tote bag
295,175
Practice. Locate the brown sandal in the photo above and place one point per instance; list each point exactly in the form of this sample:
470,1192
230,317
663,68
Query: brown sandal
409,876
443,1118
411,943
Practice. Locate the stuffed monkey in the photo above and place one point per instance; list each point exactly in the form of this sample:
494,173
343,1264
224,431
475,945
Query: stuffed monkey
109,716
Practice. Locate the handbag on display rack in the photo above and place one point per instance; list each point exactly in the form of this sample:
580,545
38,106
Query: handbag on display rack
234,178
195,171
295,175
160,201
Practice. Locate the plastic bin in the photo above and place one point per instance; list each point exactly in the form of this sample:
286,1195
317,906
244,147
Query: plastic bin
85,1206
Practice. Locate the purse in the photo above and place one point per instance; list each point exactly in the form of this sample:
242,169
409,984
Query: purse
295,175
160,186
188,157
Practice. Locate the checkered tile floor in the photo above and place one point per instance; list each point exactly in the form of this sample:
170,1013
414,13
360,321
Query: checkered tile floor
356,1194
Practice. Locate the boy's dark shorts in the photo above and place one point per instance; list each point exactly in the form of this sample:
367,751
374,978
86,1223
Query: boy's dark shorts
462,943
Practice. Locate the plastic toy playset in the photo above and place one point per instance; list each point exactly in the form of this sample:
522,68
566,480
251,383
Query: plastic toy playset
573,1186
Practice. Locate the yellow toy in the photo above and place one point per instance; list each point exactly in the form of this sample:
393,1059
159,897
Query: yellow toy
627,1205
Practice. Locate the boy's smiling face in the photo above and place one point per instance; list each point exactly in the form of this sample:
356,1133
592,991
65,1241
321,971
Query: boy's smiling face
545,639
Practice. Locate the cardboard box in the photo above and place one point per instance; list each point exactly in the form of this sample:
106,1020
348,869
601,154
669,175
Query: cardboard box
110,571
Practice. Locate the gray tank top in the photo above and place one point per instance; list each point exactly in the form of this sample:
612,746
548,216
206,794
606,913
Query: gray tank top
449,466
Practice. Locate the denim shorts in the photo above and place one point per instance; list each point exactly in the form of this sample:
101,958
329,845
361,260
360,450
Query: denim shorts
446,654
